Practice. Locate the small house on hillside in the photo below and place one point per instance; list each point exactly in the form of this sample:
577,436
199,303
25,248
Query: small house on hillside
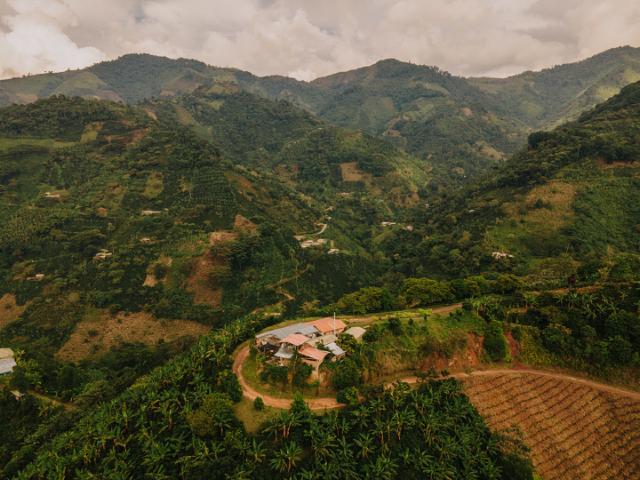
356,332
102,255
7,361
329,325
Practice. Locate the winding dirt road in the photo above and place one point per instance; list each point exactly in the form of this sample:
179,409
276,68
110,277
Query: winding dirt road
324,403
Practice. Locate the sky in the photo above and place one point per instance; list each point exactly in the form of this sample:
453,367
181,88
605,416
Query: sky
307,39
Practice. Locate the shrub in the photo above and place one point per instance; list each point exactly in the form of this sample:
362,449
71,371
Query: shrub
348,396
258,404
300,373
424,291
495,344
394,325
345,374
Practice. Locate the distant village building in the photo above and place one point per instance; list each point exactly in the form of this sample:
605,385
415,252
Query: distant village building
148,213
501,255
312,356
102,255
7,361
311,341
337,353
38,277
388,224
52,195
317,242
273,338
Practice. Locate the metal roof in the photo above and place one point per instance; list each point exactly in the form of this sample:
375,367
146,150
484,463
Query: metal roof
6,353
356,332
295,339
335,349
281,333
285,352
6,365
312,353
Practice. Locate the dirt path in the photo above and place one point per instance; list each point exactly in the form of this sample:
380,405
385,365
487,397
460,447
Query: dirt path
51,400
330,402
442,310
250,393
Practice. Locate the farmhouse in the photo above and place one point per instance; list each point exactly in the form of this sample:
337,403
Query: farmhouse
7,362
312,341
329,325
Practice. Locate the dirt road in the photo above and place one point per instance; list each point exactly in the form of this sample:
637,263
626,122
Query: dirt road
330,402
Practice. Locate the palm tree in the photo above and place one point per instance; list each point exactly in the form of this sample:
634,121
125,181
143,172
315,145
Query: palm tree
256,451
364,442
285,459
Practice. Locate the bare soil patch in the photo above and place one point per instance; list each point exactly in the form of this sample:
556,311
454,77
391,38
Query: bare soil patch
221,236
351,173
100,331
243,225
9,310
201,281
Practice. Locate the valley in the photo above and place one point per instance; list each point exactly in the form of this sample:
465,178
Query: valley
482,235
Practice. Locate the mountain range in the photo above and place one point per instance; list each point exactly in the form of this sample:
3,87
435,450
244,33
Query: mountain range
457,126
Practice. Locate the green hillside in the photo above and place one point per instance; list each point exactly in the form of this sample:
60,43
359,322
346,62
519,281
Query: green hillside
119,227
563,206
555,95
312,156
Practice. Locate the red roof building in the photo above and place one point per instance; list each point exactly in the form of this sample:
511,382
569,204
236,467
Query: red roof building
295,339
329,325
313,353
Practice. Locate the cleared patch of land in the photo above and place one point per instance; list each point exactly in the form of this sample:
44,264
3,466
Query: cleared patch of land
9,310
100,331
574,429
351,173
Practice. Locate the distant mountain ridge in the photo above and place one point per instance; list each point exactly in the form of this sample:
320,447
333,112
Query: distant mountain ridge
458,126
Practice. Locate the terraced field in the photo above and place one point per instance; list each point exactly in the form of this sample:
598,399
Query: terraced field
574,431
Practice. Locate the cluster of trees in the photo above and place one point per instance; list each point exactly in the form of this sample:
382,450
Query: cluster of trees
421,292
589,330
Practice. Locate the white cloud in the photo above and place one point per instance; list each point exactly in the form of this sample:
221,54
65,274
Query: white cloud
310,38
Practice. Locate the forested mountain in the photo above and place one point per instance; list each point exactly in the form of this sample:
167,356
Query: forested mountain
563,206
555,95
457,126
312,156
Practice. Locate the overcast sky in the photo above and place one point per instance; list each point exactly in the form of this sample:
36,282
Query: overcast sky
310,38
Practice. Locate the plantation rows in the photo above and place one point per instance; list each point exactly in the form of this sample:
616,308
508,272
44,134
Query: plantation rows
574,431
